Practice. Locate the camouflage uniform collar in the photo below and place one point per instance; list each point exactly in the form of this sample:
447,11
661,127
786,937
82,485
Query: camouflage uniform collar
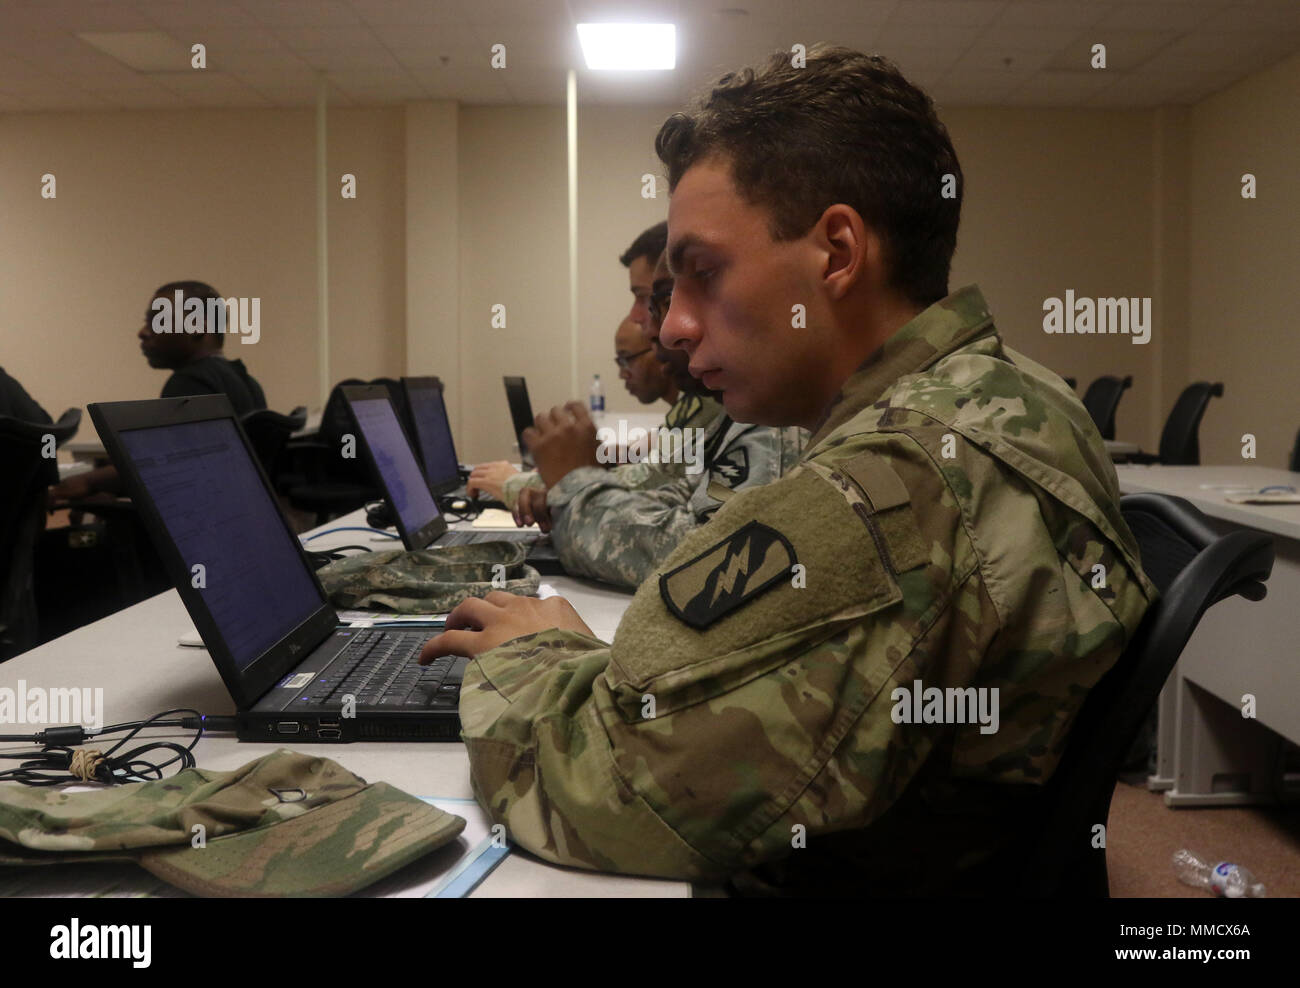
947,325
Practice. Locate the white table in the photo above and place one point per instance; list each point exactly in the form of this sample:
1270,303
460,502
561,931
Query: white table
1208,753
134,656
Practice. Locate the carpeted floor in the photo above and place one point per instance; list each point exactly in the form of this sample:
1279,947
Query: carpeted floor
1143,835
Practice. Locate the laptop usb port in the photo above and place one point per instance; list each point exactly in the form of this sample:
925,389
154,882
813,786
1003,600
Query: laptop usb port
328,723
287,727
329,734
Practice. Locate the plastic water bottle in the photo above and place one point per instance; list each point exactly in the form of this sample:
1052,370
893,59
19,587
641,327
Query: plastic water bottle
1225,879
597,400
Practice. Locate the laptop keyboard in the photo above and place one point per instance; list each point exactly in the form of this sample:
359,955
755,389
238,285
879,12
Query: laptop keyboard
379,668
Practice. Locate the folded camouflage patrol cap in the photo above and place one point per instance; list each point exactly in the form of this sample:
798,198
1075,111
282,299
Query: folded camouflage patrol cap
428,581
286,824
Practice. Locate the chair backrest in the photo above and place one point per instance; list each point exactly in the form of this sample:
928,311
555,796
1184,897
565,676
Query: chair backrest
268,432
1179,446
335,422
1102,398
1193,569
25,474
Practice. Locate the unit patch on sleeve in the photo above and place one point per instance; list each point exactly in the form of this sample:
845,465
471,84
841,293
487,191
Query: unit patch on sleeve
728,575
733,468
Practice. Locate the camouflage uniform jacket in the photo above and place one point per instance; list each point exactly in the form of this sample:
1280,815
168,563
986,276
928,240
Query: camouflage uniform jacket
607,525
945,527
687,412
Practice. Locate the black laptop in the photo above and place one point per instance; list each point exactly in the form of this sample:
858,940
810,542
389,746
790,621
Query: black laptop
253,595
521,414
389,454
430,429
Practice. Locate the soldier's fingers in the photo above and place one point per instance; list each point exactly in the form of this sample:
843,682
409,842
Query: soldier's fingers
578,411
451,643
529,436
469,613
502,598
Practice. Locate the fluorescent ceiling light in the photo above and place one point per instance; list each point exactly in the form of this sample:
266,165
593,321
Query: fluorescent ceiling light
629,46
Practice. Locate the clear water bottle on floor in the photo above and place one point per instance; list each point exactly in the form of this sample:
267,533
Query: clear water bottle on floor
1225,879
597,400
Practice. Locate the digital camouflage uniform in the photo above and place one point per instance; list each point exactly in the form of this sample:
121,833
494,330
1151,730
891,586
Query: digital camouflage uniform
605,525
772,703
687,412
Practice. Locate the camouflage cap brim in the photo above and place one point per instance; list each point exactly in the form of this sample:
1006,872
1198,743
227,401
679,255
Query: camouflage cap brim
286,824
333,850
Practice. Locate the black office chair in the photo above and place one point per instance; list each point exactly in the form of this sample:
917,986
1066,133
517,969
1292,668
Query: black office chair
1102,399
1179,444
26,473
1193,569
316,477
269,431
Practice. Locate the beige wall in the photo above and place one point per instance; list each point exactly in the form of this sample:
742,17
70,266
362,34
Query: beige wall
615,148
1057,200
367,245
460,208
514,251
1244,255
224,196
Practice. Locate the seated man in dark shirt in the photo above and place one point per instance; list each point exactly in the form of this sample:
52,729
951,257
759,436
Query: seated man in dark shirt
195,359
16,403
187,339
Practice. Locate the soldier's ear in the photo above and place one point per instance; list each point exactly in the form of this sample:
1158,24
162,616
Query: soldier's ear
849,247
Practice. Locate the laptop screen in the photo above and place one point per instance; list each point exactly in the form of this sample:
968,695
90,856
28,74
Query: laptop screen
408,491
521,409
433,433
253,578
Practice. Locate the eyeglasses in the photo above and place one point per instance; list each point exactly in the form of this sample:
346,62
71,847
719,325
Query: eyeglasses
659,302
624,360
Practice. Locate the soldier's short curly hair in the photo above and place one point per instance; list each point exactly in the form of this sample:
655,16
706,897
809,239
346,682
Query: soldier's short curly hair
650,243
843,128
202,291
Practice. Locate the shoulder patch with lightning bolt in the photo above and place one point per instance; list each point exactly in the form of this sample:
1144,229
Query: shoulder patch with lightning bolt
728,575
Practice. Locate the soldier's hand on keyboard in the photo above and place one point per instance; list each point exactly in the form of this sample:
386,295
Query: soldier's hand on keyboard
479,624
531,508
490,478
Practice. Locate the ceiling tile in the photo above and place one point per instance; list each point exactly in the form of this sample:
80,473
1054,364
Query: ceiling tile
302,13
1055,14
957,13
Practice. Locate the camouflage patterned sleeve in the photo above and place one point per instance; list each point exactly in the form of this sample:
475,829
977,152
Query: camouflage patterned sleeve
608,528
686,751
517,482
749,704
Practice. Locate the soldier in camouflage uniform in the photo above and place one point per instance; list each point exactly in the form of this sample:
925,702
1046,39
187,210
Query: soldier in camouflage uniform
618,525
503,481
945,531
689,411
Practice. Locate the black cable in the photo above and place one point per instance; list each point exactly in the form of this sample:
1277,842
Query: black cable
59,752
